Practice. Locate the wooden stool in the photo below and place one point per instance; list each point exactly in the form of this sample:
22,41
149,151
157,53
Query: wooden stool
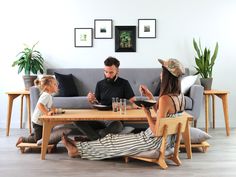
22,147
203,145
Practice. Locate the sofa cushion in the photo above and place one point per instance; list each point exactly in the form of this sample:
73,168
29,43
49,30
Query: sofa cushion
76,102
67,87
188,103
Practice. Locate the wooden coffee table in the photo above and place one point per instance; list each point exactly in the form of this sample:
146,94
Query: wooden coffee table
91,114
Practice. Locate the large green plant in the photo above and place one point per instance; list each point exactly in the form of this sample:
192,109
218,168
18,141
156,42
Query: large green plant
30,60
204,60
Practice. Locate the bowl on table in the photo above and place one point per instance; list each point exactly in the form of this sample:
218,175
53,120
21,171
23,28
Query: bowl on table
145,103
102,107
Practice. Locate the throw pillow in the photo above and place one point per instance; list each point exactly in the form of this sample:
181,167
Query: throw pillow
187,82
56,135
197,136
66,85
127,130
153,154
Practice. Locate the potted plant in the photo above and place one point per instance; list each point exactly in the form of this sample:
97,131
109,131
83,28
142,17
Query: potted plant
204,63
31,61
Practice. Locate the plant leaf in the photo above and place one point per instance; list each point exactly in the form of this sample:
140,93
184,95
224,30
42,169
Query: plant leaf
196,48
29,60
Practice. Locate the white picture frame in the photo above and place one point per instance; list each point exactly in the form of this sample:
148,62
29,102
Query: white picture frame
146,28
103,29
83,37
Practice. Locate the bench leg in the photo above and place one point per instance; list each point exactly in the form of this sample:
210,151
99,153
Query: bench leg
126,159
22,149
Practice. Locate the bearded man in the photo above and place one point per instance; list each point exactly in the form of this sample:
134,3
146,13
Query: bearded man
112,86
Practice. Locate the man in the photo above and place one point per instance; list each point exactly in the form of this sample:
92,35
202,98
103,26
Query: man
111,86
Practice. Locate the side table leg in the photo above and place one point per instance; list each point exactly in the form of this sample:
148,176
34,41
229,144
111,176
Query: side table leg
206,112
9,111
213,110
21,110
29,112
226,115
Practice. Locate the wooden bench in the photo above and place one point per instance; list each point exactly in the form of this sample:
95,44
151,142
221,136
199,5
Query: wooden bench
203,146
22,147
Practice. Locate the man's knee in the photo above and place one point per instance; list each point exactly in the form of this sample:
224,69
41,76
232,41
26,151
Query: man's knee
117,126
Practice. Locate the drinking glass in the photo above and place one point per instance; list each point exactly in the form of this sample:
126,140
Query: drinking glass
114,105
123,106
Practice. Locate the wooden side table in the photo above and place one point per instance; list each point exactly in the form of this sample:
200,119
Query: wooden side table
11,97
223,95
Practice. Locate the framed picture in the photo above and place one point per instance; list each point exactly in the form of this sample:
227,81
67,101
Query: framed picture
125,38
146,28
103,29
83,37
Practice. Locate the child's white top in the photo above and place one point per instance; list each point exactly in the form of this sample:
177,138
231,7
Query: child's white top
45,99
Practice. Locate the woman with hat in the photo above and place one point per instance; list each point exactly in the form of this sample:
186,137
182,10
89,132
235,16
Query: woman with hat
170,103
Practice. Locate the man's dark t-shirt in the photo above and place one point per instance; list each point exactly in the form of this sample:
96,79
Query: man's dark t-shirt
120,88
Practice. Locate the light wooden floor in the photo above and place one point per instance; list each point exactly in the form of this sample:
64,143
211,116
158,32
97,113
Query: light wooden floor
218,161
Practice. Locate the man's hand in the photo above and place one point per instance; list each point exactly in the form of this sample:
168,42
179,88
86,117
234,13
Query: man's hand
91,98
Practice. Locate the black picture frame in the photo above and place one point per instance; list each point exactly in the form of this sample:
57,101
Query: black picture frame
125,38
103,29
146,28
83,37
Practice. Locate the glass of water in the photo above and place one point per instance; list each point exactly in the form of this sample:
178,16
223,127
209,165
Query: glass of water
114,105
123,106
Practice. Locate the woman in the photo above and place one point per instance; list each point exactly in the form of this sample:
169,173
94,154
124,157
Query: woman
171,102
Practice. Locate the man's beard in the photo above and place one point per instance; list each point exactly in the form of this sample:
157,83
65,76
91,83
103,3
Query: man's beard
111,80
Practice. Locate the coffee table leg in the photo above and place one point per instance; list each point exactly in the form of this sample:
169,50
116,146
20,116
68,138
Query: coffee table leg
46,134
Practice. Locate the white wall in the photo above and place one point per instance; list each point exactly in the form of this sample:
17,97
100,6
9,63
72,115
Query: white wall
52,23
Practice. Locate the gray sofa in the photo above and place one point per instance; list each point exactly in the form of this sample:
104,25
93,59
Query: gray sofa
86,79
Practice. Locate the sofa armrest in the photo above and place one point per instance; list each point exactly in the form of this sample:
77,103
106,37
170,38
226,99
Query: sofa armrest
34,96
196,94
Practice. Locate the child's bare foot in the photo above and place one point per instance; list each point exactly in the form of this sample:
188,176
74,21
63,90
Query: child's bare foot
20,140
70,146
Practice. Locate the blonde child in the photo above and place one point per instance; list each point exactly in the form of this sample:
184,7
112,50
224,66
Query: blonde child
48,86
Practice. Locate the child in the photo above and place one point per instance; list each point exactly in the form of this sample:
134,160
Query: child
48,85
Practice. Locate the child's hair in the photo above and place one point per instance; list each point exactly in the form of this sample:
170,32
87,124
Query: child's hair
43,82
